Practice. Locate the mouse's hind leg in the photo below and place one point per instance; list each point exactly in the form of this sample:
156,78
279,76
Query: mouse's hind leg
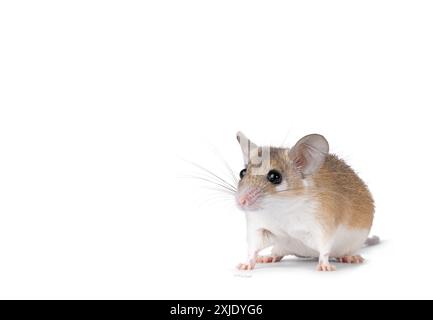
357,259
277,254
269,259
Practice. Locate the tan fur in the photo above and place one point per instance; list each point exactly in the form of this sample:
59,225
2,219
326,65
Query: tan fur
344,197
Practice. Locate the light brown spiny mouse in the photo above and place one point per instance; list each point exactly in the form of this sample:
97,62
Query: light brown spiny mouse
302,201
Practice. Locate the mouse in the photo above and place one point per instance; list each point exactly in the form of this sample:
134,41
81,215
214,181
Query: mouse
302,201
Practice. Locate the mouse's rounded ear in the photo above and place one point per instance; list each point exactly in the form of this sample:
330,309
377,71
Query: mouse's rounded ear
246,146
309,153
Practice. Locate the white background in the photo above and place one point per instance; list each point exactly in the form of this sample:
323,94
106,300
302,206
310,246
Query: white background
101,100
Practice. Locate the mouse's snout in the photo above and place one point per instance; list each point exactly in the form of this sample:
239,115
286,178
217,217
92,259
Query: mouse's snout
247,199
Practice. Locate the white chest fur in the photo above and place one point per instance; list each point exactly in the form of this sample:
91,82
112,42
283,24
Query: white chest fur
288,220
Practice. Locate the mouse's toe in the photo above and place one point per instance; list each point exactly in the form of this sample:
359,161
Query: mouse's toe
326,267
246,266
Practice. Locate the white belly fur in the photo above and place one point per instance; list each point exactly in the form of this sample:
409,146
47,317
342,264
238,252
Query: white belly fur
296,231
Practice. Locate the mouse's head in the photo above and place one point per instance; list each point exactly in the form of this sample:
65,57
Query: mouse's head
274,173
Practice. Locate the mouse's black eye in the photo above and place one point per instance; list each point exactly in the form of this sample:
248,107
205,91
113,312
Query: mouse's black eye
274,177
243,173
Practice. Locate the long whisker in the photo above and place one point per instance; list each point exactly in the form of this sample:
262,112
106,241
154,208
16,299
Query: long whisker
224,186
221,192
226,165
217,194
211,173
209,179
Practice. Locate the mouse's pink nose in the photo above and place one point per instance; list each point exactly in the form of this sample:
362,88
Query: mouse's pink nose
243,201
248,198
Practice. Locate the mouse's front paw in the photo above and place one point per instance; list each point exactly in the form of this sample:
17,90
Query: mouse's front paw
246,266
325,267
